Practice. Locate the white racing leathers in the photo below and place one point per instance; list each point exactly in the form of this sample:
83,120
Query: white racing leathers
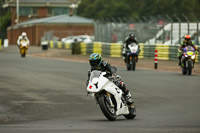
20,38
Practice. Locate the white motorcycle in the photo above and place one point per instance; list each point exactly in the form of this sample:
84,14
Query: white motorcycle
109,96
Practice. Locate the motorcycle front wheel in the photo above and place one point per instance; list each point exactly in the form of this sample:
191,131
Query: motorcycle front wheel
23,52
189,67
133,63
108,111
128,64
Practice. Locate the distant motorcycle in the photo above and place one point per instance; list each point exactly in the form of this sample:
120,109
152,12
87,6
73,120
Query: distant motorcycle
132,56
109,96
187,60
23,48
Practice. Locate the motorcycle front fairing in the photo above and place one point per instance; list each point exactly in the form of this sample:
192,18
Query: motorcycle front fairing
133,49
117,93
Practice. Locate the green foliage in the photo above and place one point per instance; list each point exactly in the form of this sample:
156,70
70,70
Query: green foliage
98,9
5,21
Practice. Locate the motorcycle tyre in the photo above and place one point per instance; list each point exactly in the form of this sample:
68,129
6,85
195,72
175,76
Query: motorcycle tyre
105,110
133,63
23,53
184,69
189,70
128,65
132,113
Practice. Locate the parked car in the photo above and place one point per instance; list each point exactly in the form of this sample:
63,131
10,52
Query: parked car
80,38
85,38
68,39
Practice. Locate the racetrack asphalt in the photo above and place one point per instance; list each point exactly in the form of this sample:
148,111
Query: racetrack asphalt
47,93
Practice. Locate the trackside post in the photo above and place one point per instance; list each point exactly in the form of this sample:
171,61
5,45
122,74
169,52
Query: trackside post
156,59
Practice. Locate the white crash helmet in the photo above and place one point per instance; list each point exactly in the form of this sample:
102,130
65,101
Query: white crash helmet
23,33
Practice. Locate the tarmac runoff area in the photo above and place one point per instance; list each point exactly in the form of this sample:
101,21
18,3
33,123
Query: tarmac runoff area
146,64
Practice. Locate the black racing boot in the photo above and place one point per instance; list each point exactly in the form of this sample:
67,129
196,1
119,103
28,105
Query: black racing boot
179,61
127,94
127,97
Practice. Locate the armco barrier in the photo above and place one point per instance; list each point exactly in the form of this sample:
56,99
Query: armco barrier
165,52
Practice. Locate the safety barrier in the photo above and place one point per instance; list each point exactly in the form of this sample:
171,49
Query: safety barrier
165,52
59,44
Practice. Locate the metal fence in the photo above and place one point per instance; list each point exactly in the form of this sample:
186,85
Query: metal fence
113,32
152,30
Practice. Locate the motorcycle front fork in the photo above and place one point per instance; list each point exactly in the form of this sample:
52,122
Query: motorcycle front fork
109,99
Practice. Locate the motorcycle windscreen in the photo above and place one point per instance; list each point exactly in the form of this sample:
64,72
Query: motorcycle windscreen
94,74
189,48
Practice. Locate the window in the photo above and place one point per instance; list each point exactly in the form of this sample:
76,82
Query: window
57,10
25,11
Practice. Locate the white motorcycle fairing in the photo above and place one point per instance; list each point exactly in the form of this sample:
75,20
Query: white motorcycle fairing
133,48
100,83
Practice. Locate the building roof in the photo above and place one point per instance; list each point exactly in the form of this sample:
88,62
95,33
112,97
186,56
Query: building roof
60,19
32,3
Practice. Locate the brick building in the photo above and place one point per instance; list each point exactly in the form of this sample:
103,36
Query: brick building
32,9
61,26
37,17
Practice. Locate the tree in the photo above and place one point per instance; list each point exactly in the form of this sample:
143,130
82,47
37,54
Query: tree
5,20
98,9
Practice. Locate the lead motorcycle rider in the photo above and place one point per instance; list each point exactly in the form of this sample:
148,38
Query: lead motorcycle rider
130,39
97,63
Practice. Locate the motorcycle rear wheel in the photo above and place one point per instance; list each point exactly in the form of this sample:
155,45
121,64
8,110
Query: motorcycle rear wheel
109,112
